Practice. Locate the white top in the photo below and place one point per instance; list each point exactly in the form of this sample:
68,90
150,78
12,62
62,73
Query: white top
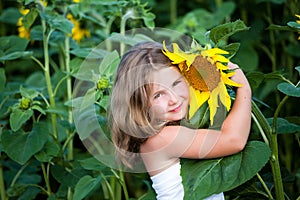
168,185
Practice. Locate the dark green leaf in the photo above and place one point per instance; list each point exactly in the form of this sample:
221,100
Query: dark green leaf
289,89
29,19
18,117
67,178
92,164
20,146
50,150
294,25
231,48
298,69
62,24
28,93
85,185
272,1
224,31
2,79
255,78
36,33
202,178
109,63
12,44
284,126
280,28
15,55
10,15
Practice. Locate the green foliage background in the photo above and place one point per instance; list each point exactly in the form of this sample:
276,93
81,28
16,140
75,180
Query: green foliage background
42,156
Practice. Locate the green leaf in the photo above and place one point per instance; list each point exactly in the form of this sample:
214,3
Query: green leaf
294,25
202,178
29,19
10,15
224,31
280,28
85,185
109,63
284,126
66,177
62,24
15,55
36,33
255,78
92,164
50,150
2,79
28,93
298,69
18,117
231,48
11,44
289,89
20,146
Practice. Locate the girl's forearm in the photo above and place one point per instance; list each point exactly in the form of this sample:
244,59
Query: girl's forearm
238,121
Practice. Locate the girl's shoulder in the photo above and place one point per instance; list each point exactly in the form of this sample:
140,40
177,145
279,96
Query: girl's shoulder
161,139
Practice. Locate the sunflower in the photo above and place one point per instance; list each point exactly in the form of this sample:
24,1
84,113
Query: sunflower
205,71
23,32
298,22
78,33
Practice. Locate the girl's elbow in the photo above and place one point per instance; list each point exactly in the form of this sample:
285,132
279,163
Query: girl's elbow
238,143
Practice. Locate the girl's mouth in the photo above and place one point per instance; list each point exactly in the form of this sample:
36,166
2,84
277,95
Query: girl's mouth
176,109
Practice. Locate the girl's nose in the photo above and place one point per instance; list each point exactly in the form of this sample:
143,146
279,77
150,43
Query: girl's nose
173,98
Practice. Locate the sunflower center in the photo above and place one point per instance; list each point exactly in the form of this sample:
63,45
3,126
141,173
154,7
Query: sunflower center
202,75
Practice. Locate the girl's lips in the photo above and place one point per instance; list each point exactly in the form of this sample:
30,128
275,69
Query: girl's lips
177,108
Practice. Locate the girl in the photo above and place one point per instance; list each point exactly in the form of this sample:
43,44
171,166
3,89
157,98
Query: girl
149,99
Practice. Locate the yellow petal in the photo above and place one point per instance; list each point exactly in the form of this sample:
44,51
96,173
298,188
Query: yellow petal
213,104
197,99
220,58
224,96
228,81
213,51
220,66
179,56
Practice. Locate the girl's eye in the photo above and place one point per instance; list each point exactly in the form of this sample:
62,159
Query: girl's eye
176,82
156,96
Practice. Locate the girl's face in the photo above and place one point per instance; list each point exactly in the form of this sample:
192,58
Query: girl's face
170,96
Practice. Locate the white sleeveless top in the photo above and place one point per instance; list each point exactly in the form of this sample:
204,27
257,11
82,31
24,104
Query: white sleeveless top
168,185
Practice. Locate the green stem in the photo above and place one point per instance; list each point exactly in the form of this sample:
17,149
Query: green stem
279,191
2,185
108,186
125,17
272,137
123,183
173,11
264,186
18,174
46,178
263,123
47,75
260,129
69,95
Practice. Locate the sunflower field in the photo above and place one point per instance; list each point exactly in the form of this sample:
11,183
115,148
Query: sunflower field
57,64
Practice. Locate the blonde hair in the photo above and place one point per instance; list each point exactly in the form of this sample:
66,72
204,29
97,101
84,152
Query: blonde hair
130,120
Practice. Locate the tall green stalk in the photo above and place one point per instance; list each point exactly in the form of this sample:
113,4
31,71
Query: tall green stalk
2,185
173,11
48,76
271,134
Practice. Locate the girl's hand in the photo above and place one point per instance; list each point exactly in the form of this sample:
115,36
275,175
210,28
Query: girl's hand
239,75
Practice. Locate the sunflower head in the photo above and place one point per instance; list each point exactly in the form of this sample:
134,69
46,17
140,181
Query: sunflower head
205,70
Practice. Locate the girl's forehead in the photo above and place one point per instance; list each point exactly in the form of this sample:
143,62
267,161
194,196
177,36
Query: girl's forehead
165,76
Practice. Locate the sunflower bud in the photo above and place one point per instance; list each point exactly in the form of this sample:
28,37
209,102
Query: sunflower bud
103,83
25,103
